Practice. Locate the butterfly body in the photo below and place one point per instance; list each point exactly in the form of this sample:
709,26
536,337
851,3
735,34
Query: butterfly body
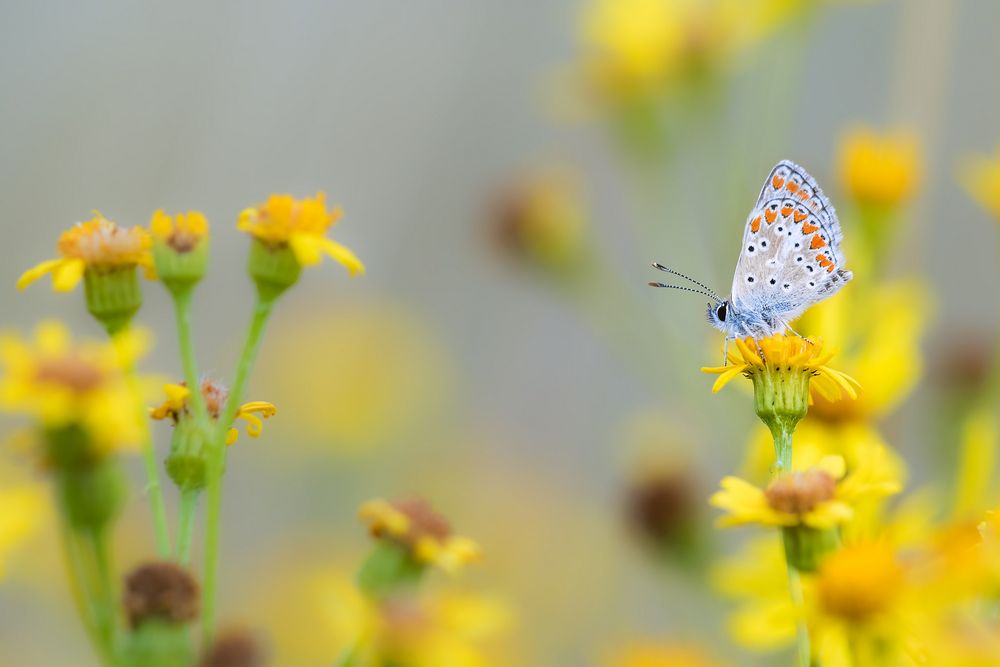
790,258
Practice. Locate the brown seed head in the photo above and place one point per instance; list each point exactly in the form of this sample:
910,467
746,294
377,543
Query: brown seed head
71,372
234,649
161,590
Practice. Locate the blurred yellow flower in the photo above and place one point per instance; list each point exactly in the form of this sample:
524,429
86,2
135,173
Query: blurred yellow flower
786,355
370,387
175,407
980,176
659,654
863,320
819,497
880,169
424,533
21,510
182,232
65,384
98,245
542,217
299,224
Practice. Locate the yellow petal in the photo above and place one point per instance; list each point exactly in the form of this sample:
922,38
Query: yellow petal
36,272
308,248
344,256
231,436
66,276
829,514
727,377
833,465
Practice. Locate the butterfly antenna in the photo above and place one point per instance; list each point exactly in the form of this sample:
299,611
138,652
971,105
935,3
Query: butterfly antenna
688,289
657,265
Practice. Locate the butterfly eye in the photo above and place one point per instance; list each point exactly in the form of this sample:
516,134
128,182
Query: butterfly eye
721,313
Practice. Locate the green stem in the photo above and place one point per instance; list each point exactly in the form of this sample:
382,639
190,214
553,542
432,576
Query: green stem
75,575
154,489
782,450
185,532
801,629
182,312
216,462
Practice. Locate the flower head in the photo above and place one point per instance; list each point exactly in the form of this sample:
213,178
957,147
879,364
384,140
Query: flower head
64,384
97,245
788,356
176,407
818,497
182,232
424,534
859,581
880,170
298,224
980,176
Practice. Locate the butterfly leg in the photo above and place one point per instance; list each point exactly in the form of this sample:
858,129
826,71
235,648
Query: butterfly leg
798,334
725,352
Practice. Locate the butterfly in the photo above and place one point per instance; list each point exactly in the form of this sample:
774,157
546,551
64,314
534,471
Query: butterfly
790,259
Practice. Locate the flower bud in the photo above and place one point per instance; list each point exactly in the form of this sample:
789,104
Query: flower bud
91,496
273,268
180,249
234,649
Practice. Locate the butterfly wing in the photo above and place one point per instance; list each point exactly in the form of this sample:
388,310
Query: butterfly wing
791,256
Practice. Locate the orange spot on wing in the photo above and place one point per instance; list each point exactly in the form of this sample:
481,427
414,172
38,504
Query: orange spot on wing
823,261
777,182
830,268
803,195
817,242
755,224
809,229
770,215
800,216
786,210
792,186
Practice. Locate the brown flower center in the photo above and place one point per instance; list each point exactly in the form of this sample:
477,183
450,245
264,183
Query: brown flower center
71,372
800,492
425,521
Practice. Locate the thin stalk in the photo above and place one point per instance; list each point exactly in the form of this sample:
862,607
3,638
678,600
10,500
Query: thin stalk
801,629
216,462
185,530
154,489
182,313
75,574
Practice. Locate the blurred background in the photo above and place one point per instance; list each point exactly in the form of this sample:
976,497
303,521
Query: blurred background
508,171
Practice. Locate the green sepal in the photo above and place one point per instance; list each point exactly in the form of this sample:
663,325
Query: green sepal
180,271
805,547
158,643
91,497
273,269
113,295
187,462
388,569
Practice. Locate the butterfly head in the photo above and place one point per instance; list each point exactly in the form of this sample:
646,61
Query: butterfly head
721,315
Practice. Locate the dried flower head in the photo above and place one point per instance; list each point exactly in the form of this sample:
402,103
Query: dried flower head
163,591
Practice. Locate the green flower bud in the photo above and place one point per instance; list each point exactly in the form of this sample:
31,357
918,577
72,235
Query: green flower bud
113,295
273,268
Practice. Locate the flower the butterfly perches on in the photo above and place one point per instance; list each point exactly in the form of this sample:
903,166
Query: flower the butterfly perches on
786,360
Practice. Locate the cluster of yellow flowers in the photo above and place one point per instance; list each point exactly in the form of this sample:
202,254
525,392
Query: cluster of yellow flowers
86,406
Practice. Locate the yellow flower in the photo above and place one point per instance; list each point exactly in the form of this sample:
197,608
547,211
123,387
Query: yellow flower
182,232
659,654
299,224
880,329
818,497
880,170
425,534
21,510
980,176
65,384
97,245
542,219
175,407
786,355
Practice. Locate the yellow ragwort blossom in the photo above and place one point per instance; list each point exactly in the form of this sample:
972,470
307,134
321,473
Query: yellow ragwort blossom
299,224
21,510
785,356
659,654
980,176
175,407
880,170
96,245
819,497
64,384
182,232
425,534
